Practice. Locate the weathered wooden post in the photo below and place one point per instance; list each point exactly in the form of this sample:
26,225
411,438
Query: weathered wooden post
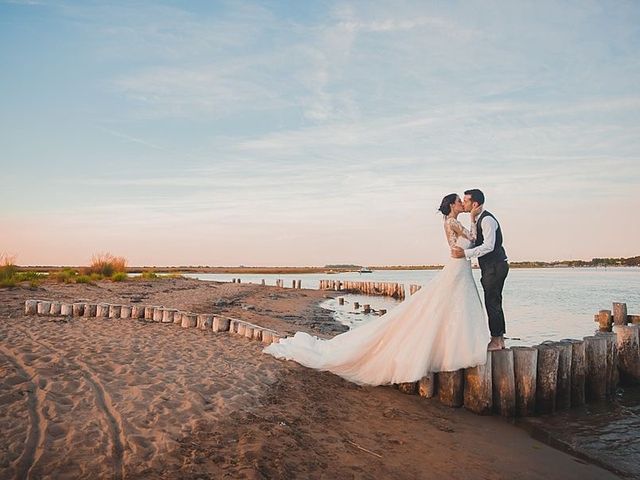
177,317
205,321
410,388
168,314
478,388
66,309
189,320
563,389
266,336
612,361
451,388
263,282
241,328
148,312
366,308
114,311
90,310
605,320
44,307
578,371
341,301
158,313
427,385
30,307
356,305
220,324
596,378
248,332
503,381
619,313
77,309
137,311
125,311
628,353
102,310
257,334
547,378
293,284
525,366
55,308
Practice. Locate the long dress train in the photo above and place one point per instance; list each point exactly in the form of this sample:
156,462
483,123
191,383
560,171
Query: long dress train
441,327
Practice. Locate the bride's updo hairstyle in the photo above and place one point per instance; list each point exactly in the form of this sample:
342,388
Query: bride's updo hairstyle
445,205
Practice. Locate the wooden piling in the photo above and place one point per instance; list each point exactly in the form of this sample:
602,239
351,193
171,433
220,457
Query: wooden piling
102,310
563,388
114,311
30,307
77,309
220,324
341,301
167,315
366,308
578,371
158,313
55,308
619,313
503,382
451,388
596,372
478,388
547,378
525,367
410,388
628,353
612,361
205,321
189,320
427,385
66,309
177,317
148,312
90,310
44,307
605,320
266,336
125,311
137,311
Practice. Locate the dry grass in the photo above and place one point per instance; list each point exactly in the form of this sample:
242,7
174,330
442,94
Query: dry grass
106,264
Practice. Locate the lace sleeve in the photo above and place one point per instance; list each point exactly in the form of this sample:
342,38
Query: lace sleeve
449,232
454,229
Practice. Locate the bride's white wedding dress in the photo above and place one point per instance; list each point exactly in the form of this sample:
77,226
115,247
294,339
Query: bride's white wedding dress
441,327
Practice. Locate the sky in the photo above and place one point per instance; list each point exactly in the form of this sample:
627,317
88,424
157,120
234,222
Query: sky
313,133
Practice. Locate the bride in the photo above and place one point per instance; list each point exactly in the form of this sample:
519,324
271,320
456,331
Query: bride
441,327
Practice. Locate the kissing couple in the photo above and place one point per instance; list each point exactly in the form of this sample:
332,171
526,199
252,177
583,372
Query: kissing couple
441,327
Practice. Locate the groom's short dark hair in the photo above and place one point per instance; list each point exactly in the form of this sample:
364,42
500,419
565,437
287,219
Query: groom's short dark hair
476,195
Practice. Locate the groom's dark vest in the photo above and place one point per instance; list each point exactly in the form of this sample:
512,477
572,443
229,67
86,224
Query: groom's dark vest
497,254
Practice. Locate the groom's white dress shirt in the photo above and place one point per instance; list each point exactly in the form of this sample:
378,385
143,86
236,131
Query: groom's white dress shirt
489,227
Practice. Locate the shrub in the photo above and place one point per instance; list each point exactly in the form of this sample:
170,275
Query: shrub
8,270
106,264
119,276
67,275
149,275
83,279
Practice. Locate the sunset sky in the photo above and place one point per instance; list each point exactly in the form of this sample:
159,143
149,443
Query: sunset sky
308,133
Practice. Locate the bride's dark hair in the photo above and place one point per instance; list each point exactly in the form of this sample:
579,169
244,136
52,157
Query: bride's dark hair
445,205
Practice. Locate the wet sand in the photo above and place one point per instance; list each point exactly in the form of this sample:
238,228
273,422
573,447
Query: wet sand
97,398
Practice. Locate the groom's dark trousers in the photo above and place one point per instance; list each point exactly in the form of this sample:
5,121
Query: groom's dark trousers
493,276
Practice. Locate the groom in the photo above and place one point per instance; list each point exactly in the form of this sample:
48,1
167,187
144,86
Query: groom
492,259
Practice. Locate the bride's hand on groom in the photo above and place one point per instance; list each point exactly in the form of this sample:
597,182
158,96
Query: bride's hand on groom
475,213
457,252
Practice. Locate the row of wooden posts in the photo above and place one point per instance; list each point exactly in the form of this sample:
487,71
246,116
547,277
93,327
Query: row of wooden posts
202,321
388,289
279,283
552,376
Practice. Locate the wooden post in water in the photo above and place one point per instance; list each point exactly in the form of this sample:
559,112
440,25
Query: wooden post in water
547,378
451,388
578,371
263,282
619,313
612,361
628,353
605,320
356,305
596,372
478,388
427,385
366,308
503,381
563,389
341,301
525,366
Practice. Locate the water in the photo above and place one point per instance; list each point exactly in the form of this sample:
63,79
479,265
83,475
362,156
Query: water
540,303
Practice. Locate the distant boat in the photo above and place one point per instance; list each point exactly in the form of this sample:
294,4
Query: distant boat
365,270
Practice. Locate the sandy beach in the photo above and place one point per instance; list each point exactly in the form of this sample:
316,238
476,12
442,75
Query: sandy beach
123,398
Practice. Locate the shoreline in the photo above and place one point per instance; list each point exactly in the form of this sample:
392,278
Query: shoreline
295,270
189,403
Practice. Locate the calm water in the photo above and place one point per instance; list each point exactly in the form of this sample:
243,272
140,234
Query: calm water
540,304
